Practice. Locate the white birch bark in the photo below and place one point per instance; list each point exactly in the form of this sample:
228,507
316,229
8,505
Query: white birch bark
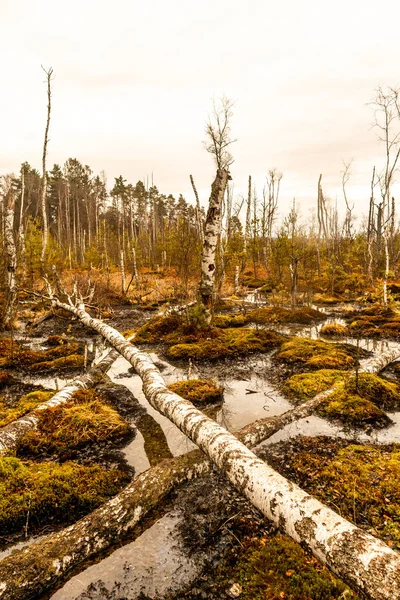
199,218
11,263
123,279
44,171
212,231
45,562
365,563
12,433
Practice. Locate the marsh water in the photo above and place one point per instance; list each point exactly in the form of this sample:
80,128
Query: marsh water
157,563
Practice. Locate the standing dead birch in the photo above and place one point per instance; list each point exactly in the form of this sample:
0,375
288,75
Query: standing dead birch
49,74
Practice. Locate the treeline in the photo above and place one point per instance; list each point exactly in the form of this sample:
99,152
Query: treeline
134,226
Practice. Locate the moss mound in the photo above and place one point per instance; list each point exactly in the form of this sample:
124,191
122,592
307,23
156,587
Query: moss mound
375,321
14,354
198,391
23,406
278,314
327,298
352,409
335,330
277,567
305,386
227,343
51,493
66,363
224,321
317,354
360,482
384,394
72,425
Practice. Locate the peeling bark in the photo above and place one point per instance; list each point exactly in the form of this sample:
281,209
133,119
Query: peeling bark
212,230
11,263
365,563
44,564
12,433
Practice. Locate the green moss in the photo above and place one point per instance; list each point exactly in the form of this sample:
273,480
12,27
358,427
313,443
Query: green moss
352,409
23,406
224,321
278,314
254,282
305,386
198,391
327,298
72,425
74,361
317,354
156,329
335,330
14,354
44,493
384,394
359,482
277,567
227,343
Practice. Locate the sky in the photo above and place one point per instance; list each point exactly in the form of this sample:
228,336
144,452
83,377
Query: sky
135,81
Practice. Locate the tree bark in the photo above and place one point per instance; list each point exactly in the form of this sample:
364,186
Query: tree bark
212,230
365,563
12,433
44,172
11,262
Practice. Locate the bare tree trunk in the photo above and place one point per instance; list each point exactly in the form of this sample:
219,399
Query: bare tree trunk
135,271
199,219
12,433
247,226
236,283
44,172
11,262
371,230
43,565
123,279
366,564
212,231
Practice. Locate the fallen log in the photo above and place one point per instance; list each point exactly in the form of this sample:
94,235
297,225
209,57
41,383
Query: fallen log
365,563
12,433
43,565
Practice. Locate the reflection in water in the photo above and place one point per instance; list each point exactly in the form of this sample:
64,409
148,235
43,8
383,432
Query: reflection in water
153,564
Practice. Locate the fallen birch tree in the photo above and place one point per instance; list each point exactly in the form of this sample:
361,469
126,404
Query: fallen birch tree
45,563
365,563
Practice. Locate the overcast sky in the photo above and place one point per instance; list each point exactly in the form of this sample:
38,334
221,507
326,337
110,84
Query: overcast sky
135,81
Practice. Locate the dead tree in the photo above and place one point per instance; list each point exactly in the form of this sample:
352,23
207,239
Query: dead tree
198,213
49,74
348,222
11,254
44,563
217,143
366,564
387,121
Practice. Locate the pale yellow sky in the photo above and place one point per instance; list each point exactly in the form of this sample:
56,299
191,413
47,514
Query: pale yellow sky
134,83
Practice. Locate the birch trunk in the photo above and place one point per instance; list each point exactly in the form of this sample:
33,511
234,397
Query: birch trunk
366,564
44,172
11,263
212,231
199,219
45,563
123,279
11,434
